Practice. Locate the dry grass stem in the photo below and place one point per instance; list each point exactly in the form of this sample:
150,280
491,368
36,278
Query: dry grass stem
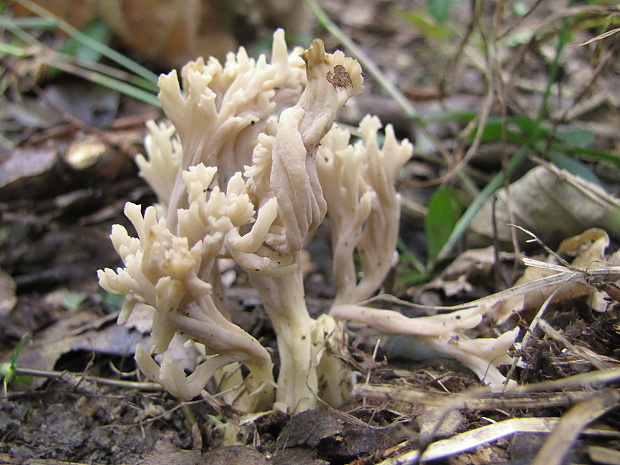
572,423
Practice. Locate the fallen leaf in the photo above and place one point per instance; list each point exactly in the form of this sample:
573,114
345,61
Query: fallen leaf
28,171
79,331
551,203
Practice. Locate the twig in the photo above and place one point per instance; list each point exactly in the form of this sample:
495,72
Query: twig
479,437
531,331
430,450
556,336
599,37
481,401
140,385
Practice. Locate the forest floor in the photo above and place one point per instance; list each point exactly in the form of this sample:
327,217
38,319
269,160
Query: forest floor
72,390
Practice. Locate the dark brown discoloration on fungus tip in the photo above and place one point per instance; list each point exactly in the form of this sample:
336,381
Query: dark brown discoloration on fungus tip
339,78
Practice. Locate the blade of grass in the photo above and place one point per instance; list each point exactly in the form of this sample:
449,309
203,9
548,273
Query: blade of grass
104,50
109,82
97,29
590,153
39,49
13,50
15,29
126,83
34,23
56,60
52,56
410,257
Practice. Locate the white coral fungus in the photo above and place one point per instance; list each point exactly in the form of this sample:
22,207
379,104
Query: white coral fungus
248,169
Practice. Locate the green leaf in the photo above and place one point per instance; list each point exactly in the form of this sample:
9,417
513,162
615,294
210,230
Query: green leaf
439,9
576,137
407,278
24,379
574,166
493,131
72,300
443,116
113,301
18,348
7,373
7,369
428,26
517,129
590,153
443,212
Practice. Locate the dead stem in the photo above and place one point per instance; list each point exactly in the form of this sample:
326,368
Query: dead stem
139,385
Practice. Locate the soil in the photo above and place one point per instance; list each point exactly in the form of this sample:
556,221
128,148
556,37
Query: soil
71,399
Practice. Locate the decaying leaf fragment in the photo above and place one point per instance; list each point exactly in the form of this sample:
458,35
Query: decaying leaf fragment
551,203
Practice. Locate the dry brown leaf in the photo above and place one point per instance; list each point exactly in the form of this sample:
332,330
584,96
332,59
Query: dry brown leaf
551,203
588,248
469,268
82,331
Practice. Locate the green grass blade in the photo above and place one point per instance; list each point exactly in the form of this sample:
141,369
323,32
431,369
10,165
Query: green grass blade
104,50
